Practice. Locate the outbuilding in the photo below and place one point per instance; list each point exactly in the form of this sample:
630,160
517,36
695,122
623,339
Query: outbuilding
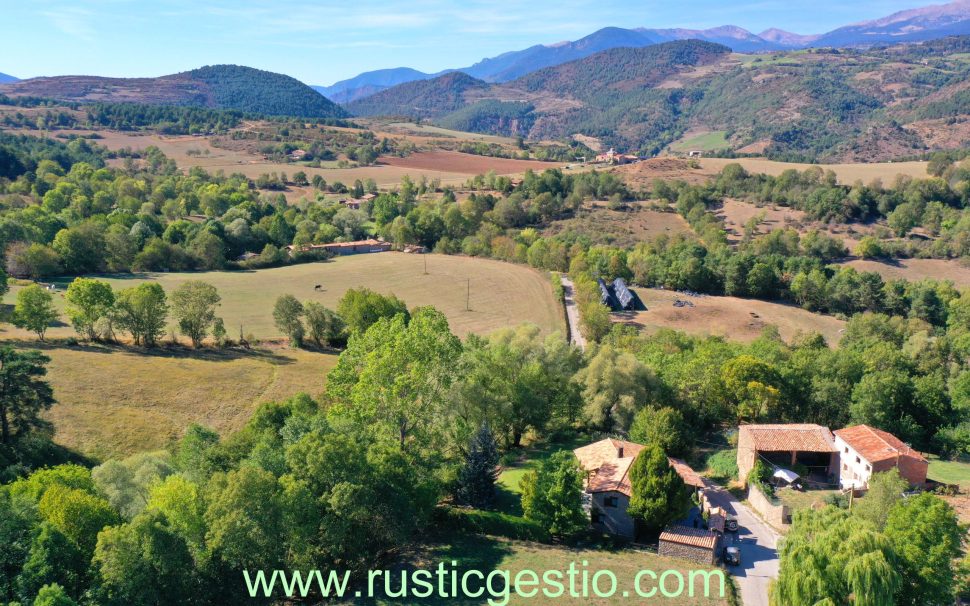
694,544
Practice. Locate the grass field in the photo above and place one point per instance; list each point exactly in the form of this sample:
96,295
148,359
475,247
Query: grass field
115,401
509,492
730,317
485,554
917,269
846,173
736,213
623,228
501,294
702,141
950,472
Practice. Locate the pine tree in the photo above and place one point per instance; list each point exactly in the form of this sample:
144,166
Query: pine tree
659,494
476,481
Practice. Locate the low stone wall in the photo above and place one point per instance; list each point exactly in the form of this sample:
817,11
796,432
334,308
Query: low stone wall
777,515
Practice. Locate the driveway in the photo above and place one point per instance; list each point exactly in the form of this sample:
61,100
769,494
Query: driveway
758,542
572,313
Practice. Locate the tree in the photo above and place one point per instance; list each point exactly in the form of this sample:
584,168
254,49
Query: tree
127,483
142,311
362,307
245,520
53,595
23,394
665,427
885,490
614,385
753,388
552,495
34,310
88,302
77,513
927,537
324,326
832,557
53,558
194,307
476,480
659,495
288,317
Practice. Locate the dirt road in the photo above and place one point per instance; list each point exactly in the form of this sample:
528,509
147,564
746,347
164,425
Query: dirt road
572,314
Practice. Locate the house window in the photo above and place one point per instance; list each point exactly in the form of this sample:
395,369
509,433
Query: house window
858,460
845,467
868,468
611,501
846,450
595,516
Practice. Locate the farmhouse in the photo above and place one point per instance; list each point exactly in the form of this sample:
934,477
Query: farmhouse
694,544
808,445
348,248
866,450
608,490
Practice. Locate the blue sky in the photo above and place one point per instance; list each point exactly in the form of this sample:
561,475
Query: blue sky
321,42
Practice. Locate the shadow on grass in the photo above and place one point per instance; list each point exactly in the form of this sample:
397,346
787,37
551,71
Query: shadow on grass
163,350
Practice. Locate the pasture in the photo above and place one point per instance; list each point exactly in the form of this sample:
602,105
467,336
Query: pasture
917,269
730,317
736,213
846,173
704,141
501,294
114,401
623,228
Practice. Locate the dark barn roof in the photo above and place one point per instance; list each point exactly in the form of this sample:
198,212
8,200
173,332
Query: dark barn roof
606,298
623,294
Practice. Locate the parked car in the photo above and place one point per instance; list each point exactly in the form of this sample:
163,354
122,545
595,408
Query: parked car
731,524
732,556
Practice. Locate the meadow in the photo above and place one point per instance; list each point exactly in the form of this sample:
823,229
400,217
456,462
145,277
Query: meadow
846,173
113,400
917,269
730,317
499,294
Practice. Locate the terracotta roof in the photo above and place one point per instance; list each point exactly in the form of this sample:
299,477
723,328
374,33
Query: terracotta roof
686,473
610,472
716,522
876,445
804,437
694,537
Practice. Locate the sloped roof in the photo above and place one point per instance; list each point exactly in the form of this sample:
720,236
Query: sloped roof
801,437
685,535
610,472
876,445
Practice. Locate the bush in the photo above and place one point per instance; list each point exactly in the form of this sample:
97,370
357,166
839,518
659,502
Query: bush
723,465
491,523
760,476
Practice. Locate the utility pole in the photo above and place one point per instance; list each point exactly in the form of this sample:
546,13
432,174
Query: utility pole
468,295
425,263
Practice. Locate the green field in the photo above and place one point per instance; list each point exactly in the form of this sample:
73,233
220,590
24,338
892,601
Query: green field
950,472
509,492
499,294
704,142
484,553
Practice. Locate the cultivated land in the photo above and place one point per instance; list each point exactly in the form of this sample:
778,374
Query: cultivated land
620,227
846,173
502,294
731,317
113,401
469,164
917,269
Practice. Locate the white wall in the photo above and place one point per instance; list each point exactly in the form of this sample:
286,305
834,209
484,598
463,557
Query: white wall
854,469
614,520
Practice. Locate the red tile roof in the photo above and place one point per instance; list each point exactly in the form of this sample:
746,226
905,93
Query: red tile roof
610,472
876,445
694,537
804,437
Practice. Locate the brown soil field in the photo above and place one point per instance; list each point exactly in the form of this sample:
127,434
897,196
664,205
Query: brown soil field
642,174
846,173
469,164
730,317
620,227
917,269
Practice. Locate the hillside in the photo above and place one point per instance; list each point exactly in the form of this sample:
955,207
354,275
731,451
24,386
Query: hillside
5,78
921,24
217,86
809,105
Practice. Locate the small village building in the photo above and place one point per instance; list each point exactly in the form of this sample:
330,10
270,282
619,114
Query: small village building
298,154
607,464
247,256
606,297
865,450
623,295
805,444
694,544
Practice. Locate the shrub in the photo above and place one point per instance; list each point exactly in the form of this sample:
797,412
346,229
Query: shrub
490,522
723,465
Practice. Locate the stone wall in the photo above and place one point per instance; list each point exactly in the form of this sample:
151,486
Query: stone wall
777,515
687,552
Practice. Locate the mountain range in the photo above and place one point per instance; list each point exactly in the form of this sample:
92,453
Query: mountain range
5,78
926,23
217,86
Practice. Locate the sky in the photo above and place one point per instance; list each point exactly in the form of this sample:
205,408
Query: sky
325,41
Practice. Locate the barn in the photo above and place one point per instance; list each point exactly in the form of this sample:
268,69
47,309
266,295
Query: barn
623,295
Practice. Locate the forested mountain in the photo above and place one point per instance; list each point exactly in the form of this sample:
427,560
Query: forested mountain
217,86
858,104
5,78
927,23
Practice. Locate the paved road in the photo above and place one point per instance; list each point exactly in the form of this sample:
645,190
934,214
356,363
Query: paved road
572,314
758,542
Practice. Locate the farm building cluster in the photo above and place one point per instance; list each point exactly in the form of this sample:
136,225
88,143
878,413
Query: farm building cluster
616,295
613,157
370,245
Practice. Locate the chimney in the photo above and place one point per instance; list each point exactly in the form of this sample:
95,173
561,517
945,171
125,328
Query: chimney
619,451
